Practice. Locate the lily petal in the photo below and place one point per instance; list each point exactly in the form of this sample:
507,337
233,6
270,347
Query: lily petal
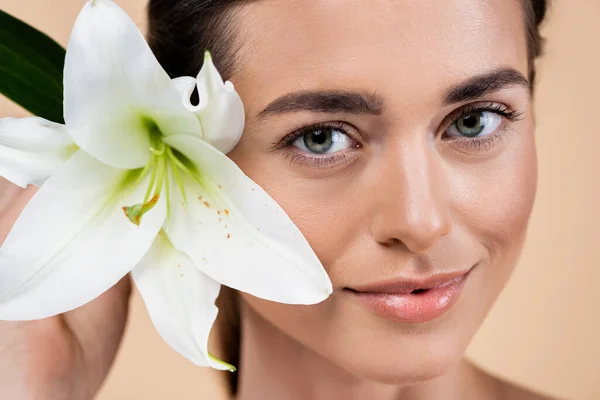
73,242
116,92
180,300
31,149
185,86
221,111
238,235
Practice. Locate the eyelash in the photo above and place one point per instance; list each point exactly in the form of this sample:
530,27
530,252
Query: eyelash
484,143
315,160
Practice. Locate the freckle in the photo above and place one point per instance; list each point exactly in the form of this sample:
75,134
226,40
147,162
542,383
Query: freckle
199,197
253,189
220,220
219,212
206,204
220,187
226,211
228,236
179,266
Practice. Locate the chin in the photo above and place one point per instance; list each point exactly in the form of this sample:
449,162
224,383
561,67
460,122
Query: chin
345,337
397,354
404,366
409,373
385,351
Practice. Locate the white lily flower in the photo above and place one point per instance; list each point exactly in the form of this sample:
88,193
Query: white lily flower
137,181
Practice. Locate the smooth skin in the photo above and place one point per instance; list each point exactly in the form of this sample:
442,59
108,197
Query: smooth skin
401,198
66,357
402,194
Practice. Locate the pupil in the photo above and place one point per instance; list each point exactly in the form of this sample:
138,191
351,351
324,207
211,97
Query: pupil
470,125
318,137
319,141
470,121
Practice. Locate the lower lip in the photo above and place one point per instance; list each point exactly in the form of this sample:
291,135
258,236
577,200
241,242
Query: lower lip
413,307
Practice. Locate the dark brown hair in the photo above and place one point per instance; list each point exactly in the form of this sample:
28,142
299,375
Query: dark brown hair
180,31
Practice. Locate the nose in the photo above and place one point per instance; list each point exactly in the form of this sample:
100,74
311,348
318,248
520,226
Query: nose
411,200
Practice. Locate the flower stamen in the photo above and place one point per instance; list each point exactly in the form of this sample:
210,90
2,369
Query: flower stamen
160,174
136,212
162,162
157,152
152,179
158,168
182,166
177,164
167,187
144,173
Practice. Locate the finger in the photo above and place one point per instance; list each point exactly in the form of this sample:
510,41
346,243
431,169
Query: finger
99,327
13,200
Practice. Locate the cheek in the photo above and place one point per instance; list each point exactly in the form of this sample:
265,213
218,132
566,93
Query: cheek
491,203
494,203
324,210
324,215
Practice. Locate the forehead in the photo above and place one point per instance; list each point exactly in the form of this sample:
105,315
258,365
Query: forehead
412,46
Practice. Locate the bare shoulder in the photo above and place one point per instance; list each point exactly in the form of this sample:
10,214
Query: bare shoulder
511,391
498,388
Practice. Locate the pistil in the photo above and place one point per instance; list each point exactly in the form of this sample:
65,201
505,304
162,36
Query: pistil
162,162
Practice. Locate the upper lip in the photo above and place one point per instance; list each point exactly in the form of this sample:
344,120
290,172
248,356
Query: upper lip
407,285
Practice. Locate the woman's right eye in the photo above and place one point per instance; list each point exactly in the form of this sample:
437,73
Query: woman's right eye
323,140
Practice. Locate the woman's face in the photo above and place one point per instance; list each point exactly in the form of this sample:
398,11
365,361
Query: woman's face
398,136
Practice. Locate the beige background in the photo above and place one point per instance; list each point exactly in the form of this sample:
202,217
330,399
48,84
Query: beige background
545,329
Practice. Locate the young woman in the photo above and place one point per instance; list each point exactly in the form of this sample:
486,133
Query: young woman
399,137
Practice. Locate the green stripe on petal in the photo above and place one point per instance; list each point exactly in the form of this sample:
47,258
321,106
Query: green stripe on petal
238,235
72,241
117,96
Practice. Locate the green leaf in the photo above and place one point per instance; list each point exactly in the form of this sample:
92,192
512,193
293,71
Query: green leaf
31,68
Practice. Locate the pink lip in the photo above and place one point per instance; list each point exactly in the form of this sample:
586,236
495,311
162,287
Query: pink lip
397,301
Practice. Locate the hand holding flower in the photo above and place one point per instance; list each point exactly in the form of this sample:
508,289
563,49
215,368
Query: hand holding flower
62,357
137,180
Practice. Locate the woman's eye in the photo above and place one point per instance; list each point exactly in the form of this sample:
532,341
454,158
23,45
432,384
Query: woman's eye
476,123
323,141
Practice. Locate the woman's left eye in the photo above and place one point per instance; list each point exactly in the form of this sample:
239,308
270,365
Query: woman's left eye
475,124
325,140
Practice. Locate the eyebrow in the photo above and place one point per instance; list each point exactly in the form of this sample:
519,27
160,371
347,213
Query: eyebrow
481,85
326,101
341,101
